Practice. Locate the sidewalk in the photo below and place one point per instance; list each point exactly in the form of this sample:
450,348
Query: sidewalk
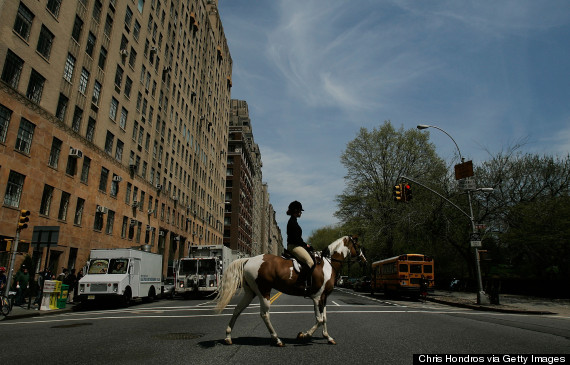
509,303
19,312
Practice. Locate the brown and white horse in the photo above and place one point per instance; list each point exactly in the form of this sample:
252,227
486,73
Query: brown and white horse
258,275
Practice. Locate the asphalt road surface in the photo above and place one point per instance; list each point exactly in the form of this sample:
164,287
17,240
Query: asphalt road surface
368,330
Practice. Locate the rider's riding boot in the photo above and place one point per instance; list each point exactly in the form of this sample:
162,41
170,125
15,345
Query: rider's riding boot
305,278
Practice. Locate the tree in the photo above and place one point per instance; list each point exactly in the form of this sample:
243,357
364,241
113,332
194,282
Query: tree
376,161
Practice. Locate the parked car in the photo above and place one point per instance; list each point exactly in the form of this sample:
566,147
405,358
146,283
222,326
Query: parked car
341,282
362,284
350,283
168,288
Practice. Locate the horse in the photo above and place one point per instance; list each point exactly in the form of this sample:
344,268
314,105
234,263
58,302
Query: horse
259,274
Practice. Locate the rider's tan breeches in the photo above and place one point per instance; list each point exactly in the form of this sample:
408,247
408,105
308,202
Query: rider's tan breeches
302,255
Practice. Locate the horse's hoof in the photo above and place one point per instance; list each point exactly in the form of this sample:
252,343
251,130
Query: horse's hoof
332,342
228,341
303,336
277,342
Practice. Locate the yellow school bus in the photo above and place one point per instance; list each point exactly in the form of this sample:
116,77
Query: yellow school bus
402,274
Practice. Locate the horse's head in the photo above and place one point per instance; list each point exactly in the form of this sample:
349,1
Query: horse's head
355,249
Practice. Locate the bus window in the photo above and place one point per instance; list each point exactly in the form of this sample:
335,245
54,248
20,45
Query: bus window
428,269
403,267
416,269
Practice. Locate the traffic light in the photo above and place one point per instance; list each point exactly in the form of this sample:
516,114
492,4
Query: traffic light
407,192
398,193
23,220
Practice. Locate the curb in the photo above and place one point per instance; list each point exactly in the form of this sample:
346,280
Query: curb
29,313
487,308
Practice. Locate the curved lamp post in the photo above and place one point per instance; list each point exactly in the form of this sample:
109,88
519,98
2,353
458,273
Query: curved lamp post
481,297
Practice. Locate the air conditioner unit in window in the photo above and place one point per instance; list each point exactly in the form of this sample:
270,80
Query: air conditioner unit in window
103,210
175,198
124,53
153,50
159,187
135,204
74,152
117,178
133,222
149,228
150,211
161,233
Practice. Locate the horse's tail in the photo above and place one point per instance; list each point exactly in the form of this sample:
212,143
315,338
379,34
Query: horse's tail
231,281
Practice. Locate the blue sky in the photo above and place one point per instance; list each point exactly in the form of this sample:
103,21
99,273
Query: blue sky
490,73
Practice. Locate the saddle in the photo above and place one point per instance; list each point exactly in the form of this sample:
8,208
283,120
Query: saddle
304,280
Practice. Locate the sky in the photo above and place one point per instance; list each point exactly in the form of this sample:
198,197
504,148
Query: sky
491,74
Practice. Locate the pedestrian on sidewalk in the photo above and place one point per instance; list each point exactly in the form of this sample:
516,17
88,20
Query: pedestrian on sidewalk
3,280
76,286
21,282
71,281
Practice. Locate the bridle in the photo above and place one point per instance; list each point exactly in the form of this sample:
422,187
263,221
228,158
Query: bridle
357,248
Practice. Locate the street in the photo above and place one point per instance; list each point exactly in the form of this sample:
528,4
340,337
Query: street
367,329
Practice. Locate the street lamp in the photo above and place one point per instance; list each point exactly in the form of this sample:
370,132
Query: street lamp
481,297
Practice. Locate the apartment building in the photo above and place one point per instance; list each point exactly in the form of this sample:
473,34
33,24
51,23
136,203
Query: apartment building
113,125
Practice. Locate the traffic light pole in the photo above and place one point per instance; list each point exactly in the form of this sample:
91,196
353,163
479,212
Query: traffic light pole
12,262
481,297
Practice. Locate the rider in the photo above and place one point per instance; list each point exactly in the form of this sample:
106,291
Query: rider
295,243
3,280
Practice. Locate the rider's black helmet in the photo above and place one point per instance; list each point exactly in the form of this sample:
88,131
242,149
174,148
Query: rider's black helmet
294,207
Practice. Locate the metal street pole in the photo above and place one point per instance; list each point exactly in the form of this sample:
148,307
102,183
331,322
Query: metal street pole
481,297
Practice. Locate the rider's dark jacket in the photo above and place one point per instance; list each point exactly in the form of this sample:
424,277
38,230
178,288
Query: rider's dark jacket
294,233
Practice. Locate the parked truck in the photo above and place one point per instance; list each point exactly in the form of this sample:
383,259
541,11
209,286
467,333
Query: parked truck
202,271
123,274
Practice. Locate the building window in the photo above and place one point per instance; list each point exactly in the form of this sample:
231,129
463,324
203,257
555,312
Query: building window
71,167
137,30
61,107
98,223
53,6
46,200
63,205
102,58
12,69
118,77
132,57
128,193
83,80
14,189
123,120
35,87
77,27
109,140
119,150
124,227
24,20
69,67
97,7
108,25
85,169
54,153
114,186
113,109
25,136
79,211
96,93
90,134
91,39
103,179
128,19
110,222
128,87
45,42
76,122
5,115
141,6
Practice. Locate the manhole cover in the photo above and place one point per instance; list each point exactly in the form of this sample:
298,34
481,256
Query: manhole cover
72,325
179,336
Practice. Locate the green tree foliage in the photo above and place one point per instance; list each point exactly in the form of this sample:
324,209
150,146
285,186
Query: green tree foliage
377,160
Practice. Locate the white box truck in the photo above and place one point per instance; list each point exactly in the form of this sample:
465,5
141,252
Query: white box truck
124,274
202,271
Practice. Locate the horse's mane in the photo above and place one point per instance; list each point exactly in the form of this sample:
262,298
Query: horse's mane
337,246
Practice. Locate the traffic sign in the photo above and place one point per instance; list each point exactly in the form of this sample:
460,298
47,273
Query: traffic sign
476,244
463,170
